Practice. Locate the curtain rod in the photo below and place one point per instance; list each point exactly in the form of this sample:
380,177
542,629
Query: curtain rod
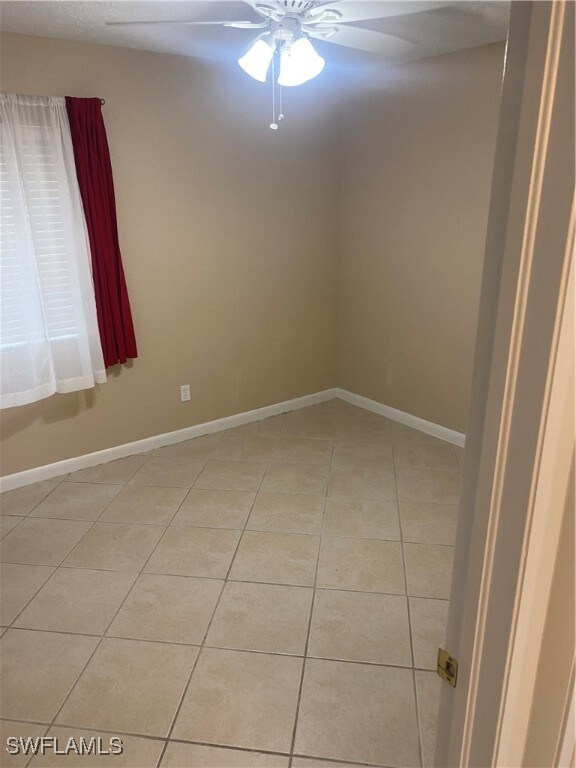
102,101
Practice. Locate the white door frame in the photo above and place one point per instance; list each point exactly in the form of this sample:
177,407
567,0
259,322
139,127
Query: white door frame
520,436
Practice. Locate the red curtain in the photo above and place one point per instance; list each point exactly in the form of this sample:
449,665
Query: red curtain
94,172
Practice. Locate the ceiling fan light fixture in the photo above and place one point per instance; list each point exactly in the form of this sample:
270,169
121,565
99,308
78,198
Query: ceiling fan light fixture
299,63
256,60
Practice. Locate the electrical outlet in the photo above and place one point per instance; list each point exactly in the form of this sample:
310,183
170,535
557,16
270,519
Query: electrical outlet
184,393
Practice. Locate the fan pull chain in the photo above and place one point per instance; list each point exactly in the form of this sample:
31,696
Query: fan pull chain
280,114
274,124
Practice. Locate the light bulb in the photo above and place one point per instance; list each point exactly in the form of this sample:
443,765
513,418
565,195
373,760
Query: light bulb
257,60
299,63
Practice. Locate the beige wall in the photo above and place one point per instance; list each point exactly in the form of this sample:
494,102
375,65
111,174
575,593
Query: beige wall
417,165
241,244
228,239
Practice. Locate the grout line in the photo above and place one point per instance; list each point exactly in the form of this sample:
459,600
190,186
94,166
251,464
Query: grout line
54,569
226,579
236,581
58,565
300,688
20,519
233,748
337,419
214,744
99,643
200,645
416,708
43,497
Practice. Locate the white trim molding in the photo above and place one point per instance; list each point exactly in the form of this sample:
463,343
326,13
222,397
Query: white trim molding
429,427
36,474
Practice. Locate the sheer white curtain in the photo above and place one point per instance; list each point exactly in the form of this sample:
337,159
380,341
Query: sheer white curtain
49,340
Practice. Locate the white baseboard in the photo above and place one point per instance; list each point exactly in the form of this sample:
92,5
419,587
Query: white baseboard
36,474
443,433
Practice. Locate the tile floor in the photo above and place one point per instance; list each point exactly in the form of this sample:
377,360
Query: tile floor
272,595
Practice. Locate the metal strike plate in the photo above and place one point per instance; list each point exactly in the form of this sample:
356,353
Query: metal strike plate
447,667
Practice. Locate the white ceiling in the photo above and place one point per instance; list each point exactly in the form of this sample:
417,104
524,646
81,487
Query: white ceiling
451,27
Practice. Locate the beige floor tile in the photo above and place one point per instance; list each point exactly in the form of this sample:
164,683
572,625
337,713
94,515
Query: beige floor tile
360,553
288,512
362,454
18,584
308,427
175,609
295,478
358,712
440,486
77,600
130,686
38,671
361,518
428,693
411,454
215,509
365,565
42,542
118,471
115,547
363,483
269,427
194,552
339,405
197,448
18,730
363,430
428,620
426,523
302,450
358,626
7,523
241,699
262,617
224,475
180,755
172,473
77,501
20,501
402,433
280,558
246,448
144,505
137,752
429,570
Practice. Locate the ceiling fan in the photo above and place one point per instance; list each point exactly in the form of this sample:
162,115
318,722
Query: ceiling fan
286,27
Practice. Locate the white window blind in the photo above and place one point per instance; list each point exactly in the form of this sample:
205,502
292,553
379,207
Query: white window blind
48,329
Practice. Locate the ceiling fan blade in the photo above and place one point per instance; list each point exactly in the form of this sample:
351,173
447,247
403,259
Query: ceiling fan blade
366,10
235,24
368,40
247,24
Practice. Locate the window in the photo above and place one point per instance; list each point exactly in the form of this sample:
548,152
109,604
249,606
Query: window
49,338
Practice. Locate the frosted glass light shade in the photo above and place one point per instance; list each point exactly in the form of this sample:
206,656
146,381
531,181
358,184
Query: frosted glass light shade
257,60
299,63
